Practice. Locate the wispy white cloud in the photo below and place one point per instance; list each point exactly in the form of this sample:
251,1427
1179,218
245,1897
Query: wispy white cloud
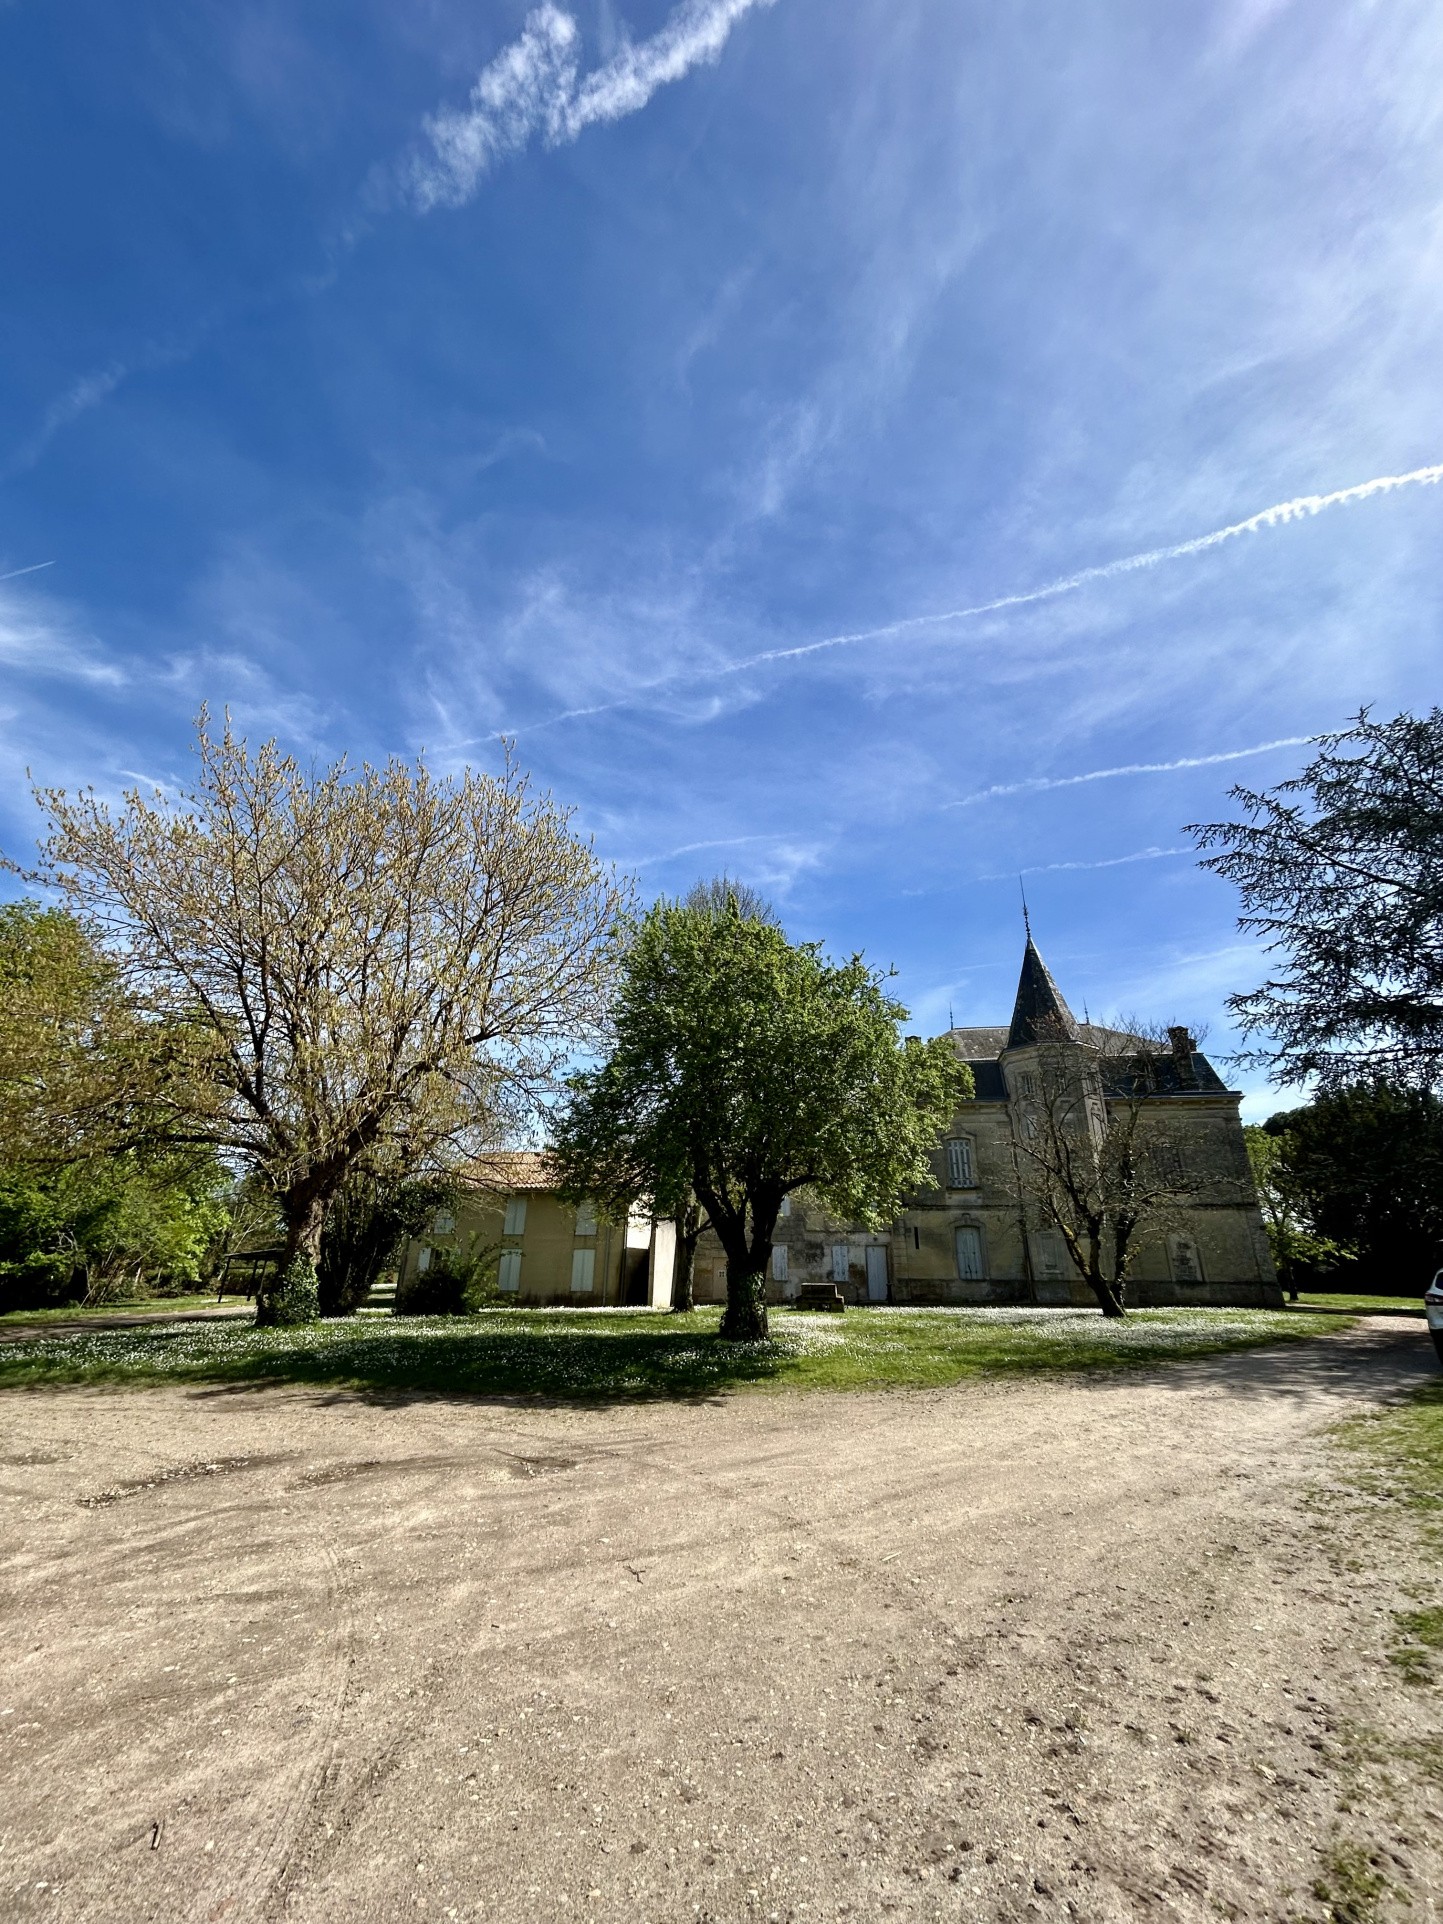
82,395
40,638
534,89
1036,783
1280,514
14,574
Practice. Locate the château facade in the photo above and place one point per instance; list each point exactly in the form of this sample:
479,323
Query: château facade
978,1236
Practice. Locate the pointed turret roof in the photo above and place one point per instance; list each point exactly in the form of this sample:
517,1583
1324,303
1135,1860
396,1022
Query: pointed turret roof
1039,1003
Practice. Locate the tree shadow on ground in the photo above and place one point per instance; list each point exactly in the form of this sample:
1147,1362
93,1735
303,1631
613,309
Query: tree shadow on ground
508,1364
1358,1364
646,1359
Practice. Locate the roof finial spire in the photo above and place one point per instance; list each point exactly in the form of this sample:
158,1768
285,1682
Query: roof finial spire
1026,919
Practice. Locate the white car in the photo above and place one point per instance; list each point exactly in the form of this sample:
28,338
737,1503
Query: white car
1433,1310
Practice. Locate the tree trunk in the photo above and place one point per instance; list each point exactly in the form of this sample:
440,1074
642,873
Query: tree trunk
745,1320
1107,1296
684,1278
305,1217
688,1233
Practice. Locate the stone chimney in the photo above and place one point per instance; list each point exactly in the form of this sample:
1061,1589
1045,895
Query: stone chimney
1184,1045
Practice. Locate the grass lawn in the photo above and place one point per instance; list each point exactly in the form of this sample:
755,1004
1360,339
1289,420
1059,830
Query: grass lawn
600,1355
137,1306
1363,1305
1400,1455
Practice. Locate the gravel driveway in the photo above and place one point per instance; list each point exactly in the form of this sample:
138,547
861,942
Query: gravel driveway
1073,1648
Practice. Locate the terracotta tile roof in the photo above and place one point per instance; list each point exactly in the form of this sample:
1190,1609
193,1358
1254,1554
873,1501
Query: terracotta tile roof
507,1171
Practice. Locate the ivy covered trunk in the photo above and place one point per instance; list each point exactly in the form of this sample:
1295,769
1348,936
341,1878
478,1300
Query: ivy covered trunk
292,1296
745,1318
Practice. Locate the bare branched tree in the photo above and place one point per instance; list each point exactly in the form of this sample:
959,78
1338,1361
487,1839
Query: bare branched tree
1096,1163
360,958
722,894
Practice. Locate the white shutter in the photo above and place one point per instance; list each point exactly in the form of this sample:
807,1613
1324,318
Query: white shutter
841,1262
969,1254
423,1261
508,1276
779,1262
515,1224
959,1163
583,1271
586,1219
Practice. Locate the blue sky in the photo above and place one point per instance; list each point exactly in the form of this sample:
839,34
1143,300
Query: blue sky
401,375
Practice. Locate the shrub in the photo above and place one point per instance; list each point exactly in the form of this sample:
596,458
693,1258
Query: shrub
293,1298
456,1284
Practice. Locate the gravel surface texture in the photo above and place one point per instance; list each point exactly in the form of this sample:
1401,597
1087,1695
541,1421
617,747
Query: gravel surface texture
1106,1648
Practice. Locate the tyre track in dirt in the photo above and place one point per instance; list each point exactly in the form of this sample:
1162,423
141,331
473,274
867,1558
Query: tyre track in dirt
1067,1649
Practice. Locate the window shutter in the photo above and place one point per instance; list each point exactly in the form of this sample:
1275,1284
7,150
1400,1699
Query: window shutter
508,1276
779,1262
515,1224
959,1163
583,1271
969,1254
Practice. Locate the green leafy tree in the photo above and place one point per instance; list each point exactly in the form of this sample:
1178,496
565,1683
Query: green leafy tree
744,1067
1341,871
1364,1166
360,960
108,1227
76,1062
1300,1255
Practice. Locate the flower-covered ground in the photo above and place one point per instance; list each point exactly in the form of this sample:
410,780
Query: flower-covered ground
601,1354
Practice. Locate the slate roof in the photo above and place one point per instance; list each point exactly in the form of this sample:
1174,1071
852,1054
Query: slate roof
1040,1002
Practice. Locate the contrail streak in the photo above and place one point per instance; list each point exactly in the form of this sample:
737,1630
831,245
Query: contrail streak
33,569
1301,508
1039,782
1111,861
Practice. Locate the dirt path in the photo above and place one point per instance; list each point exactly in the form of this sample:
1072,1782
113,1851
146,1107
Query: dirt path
1061,1650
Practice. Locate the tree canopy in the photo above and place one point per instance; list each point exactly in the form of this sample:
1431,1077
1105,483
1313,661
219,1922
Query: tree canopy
1341,870
357,957
75,1059
744,1067
1363,1170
